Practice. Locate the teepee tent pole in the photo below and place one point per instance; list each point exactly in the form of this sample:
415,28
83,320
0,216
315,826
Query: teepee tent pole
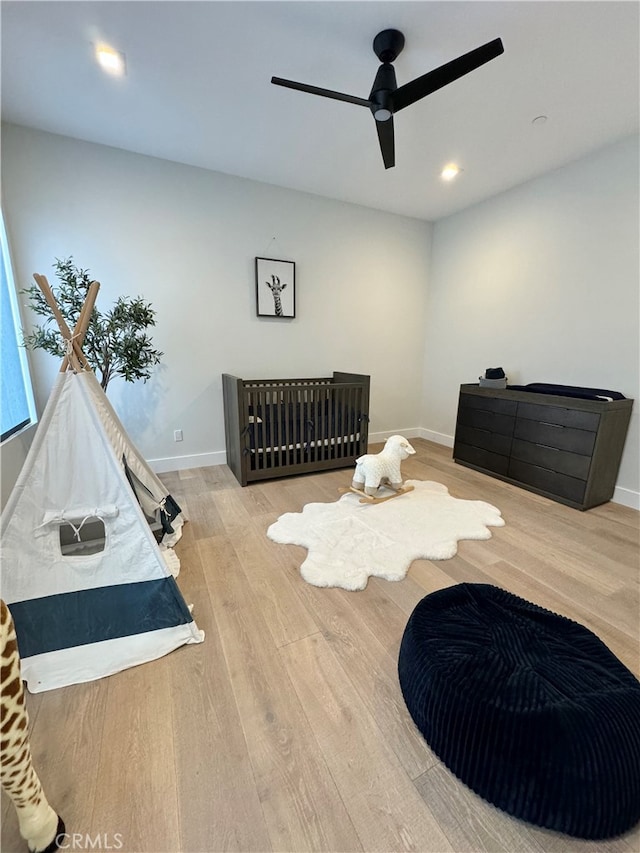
76,356
82,324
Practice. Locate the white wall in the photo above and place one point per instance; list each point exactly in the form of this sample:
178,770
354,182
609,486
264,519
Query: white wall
185,239
542,281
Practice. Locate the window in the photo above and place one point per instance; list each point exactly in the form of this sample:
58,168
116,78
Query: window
16,402
81,537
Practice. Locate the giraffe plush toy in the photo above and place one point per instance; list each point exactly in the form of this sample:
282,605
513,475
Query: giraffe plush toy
40,826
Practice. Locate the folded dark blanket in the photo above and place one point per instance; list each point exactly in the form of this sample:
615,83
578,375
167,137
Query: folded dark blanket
569,391
299,423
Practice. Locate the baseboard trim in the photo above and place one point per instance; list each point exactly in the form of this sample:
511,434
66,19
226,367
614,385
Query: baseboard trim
436,437
180,463
626,497
410,432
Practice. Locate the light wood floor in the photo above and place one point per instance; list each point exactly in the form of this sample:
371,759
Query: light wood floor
286,729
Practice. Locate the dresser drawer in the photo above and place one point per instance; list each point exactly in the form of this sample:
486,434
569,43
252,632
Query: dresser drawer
481,458
553,435
493,441
561,461
489,404
488,421
558,415
552,482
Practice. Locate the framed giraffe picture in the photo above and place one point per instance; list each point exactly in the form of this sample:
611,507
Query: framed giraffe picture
275,288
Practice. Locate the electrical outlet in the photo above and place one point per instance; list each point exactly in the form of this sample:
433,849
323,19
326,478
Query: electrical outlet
177,435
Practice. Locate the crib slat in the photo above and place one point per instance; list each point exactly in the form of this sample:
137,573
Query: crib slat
337,403
352,409
264,430
257,431
314,432
275,413
296,422
286,402
324,417
345,406
350,415
306,419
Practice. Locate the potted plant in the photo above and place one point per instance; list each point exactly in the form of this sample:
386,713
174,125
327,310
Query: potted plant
116,342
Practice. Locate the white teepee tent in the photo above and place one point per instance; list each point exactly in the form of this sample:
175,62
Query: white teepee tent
90,588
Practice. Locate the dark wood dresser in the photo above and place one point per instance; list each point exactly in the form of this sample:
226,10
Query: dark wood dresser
564,448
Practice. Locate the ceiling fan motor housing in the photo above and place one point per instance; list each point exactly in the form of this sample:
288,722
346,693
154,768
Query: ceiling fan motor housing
380,97
388,44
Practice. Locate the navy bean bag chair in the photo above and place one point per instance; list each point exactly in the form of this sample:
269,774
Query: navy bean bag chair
529,709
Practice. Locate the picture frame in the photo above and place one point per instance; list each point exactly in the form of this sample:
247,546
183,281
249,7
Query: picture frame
275,288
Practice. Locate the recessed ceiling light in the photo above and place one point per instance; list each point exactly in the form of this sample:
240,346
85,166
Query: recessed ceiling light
112,61
450,171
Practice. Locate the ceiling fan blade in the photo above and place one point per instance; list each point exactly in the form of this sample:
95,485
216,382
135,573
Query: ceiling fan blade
326,93
387,142
445,74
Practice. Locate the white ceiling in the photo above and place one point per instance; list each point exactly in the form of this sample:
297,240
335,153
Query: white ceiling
198,89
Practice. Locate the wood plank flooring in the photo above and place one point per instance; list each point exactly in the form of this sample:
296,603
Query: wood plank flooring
286,729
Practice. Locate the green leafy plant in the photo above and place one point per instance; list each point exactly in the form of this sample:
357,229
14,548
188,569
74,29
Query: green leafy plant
116,343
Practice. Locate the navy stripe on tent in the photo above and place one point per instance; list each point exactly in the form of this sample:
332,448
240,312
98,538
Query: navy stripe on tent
72,619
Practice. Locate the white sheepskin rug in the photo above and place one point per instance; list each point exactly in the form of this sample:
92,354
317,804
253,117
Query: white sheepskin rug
349,542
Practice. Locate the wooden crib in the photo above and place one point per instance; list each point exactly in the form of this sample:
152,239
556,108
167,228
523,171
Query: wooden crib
281,427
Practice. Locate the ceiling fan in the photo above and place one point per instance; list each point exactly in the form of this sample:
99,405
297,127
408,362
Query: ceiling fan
386,98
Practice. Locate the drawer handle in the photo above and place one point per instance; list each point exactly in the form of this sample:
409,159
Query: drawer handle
548,423
548,447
